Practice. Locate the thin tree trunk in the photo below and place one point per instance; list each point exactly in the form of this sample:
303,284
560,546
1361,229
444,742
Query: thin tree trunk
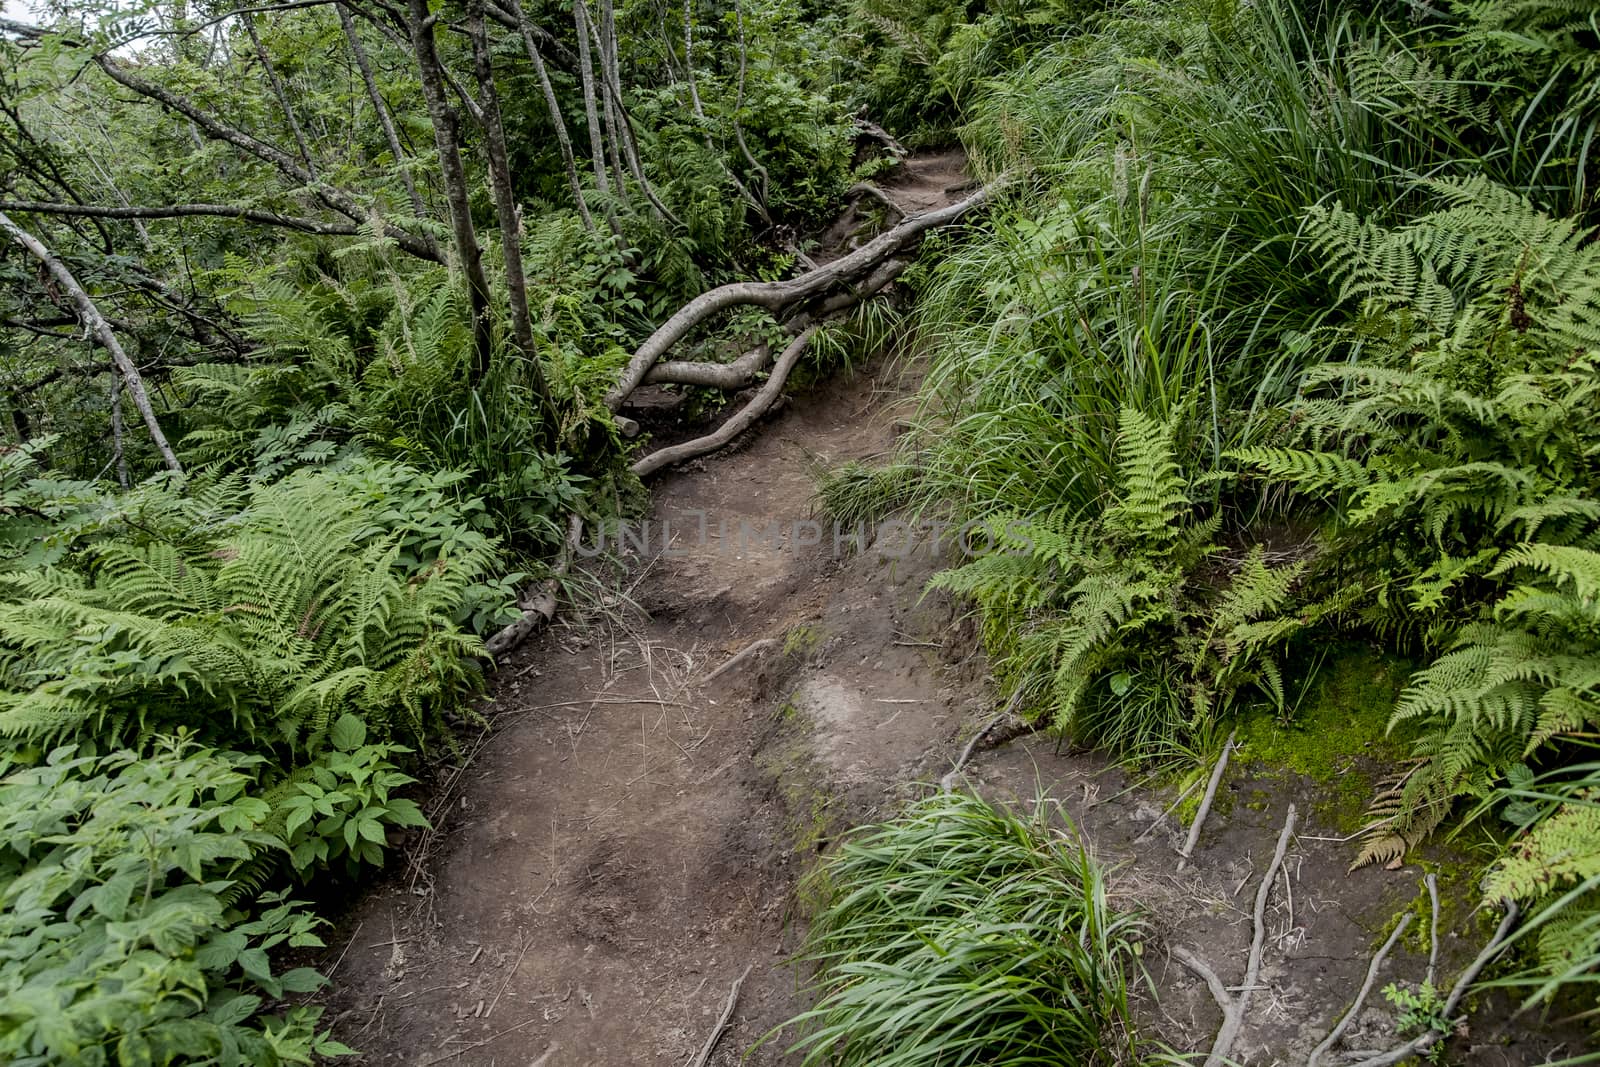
556,119
390,134
505,207
119,458
616,110
281,93
597,151
705,123
96,324
738,106
454,175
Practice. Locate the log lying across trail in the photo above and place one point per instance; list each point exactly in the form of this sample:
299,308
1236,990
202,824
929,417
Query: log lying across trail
783,296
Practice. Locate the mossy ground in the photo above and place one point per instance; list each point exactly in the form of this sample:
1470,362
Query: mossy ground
1336,735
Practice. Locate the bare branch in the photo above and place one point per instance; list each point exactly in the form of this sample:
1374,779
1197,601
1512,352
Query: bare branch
336,199
97,324
176,211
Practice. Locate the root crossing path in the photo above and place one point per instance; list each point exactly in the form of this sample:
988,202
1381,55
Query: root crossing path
622,845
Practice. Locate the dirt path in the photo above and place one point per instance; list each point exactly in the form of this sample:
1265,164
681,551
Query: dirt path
628,840
621,849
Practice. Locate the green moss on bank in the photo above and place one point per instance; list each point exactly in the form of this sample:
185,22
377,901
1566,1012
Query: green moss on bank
1336,735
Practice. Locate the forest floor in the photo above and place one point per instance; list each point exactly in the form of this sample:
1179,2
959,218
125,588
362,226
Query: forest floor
631,834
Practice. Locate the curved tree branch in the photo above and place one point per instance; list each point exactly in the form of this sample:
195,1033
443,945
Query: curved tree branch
334,198
778,295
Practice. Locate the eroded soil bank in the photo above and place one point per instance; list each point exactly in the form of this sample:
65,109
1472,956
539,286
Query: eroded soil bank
631,834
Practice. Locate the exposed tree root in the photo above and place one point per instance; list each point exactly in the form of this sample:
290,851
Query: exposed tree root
866,128
1233,1007
741,422
948,782
1205,803
1423,1042
872,192
722,1023
1361,996
782,296
754,648
539,603
731,376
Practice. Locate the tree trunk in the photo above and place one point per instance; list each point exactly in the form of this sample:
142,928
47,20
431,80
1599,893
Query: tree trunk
390,134
506,212
454,175
281,93
96,324
597,149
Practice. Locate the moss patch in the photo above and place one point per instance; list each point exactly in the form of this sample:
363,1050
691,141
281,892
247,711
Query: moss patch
1336,735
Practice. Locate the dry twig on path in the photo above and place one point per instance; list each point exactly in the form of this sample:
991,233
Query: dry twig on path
1233,1007
1205,802
722,1023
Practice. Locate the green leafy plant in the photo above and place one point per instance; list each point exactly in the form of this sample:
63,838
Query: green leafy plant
260,630
1079,609
340,807
117,945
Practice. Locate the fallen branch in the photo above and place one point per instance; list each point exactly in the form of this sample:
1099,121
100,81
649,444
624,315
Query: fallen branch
1205,803
1423,1042
741,422
948,782
722,1023
743,654
1361,996
873,132
1233,1008
778,296
540,608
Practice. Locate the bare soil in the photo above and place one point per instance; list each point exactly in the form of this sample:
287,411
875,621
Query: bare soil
629,837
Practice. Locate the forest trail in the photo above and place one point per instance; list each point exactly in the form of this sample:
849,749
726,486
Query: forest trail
632,833
621,847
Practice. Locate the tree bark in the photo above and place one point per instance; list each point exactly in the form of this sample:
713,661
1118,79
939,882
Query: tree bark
390,134
446,138
119,458
563,139
586,73
778,295
96,324
509,217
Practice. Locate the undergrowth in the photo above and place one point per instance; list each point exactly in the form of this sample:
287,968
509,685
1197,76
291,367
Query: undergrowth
960,933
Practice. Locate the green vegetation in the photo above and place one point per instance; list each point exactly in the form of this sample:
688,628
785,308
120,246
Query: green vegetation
1287,339
963,934
315,320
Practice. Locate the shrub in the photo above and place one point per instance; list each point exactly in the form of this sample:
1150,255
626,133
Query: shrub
118,944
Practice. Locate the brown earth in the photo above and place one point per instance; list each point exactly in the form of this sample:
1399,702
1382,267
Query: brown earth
629,837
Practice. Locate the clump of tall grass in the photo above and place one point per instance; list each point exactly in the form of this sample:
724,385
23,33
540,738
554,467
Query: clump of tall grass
960,933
